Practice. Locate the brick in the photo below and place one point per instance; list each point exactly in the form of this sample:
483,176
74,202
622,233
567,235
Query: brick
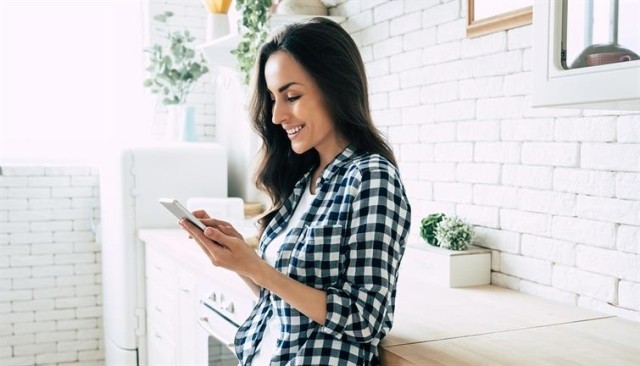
404,98
597,233
478,46
359,21
79,181
14,294
75,279
28,192
91,355
452,31
438,132
439,14
527,176
71,214
594,129
405,61
75,324
497,152
387,117
31,260
583,181
31,216
608,262
50,226
419,189
547,202
518,84
90,289
387,47
411,6
550,153
89,312
628,239
35,327
408,170
14,204
419,39
48,293
51,181
440,172
447,208
366,52
500,108
90,344
405,24
347,8
441,53
531,269
498,64
19,272
55,203
452,192
404,134
453,151
455,111
74,258
384,83
71,192
387,10
418,115
628,186
478,173
377,68
376,33
74,302
628,128
552,250
32,283
13,227
32,305
21,171
56,315
416,77
453,70
609,209
537,129
629,295
502,240
525,222
547,292
441,92
618,157
479,215
520,37
482,87
495,195
478,131
31,238
416,152
584,283
56,357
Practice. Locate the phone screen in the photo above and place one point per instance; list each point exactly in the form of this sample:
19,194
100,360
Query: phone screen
179,211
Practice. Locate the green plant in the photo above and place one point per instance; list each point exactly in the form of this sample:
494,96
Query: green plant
174,67
453,233
254,32
428,228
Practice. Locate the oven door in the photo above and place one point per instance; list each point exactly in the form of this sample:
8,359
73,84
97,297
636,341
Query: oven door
220,333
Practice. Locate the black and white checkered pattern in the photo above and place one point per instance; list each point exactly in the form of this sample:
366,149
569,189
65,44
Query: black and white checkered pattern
348,244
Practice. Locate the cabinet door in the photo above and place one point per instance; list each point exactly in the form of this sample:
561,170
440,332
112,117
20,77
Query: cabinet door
161,348
188,330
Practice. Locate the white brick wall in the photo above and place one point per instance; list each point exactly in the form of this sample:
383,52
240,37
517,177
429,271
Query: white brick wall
51,292
555,193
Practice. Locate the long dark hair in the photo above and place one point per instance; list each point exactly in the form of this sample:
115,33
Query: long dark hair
331,57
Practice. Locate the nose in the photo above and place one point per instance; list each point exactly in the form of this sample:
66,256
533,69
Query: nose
278,112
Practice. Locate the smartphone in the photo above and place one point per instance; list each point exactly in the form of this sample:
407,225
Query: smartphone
176,208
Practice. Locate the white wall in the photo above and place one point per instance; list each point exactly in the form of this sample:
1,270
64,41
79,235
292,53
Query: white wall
555,193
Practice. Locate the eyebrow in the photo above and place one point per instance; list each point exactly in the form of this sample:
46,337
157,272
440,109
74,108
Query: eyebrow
286,86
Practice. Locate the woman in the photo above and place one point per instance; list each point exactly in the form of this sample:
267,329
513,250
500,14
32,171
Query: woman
326,270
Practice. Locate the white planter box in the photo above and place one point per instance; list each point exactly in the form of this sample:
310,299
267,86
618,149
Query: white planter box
471,267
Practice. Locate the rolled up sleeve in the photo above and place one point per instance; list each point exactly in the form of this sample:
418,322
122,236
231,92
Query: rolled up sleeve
379,221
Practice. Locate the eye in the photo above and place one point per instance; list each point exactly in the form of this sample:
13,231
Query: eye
293,99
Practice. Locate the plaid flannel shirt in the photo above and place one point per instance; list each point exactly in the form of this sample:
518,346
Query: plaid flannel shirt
349,244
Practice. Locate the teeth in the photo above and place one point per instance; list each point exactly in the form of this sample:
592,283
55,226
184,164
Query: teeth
294,130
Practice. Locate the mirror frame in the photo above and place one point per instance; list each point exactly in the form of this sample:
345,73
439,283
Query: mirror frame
497,22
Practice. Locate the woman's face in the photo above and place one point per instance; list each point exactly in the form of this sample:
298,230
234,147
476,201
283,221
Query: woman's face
299,108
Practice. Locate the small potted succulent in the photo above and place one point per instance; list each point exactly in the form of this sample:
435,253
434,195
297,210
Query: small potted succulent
448,232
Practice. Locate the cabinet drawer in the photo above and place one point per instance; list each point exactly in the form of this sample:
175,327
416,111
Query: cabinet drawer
160,269
161,348
162,307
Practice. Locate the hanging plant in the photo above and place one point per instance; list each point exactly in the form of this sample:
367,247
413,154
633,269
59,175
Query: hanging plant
253,31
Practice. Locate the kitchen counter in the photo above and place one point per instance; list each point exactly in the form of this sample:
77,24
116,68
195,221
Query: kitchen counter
489,325
483,325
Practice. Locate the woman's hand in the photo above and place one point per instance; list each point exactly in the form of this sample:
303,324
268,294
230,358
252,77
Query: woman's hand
225,246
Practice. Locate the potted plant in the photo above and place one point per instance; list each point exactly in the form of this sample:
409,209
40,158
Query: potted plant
449,232
253,32
173,69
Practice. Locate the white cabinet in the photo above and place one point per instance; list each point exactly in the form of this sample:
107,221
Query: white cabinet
172,305
610,86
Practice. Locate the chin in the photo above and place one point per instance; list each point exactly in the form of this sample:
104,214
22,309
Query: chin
299,148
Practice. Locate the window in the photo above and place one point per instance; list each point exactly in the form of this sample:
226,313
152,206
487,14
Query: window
72,76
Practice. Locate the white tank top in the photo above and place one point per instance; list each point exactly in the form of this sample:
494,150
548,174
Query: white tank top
268,345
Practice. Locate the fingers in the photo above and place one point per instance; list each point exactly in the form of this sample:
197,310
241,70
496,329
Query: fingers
201,214
215,222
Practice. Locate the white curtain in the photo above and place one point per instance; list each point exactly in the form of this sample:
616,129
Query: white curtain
71,79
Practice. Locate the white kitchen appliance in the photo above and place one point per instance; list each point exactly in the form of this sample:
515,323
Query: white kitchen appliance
131,181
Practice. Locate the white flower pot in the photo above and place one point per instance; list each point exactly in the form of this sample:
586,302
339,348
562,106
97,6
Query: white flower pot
180,123
217,26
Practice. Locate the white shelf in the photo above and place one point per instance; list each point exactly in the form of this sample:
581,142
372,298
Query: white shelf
218,51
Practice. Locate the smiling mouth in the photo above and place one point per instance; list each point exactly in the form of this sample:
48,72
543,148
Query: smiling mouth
294,131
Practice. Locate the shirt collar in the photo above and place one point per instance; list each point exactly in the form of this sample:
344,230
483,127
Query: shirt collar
334,166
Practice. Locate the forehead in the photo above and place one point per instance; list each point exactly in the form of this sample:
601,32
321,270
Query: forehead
281,69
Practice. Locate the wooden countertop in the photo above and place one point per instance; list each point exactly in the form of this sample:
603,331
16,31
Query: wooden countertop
483,325
489,325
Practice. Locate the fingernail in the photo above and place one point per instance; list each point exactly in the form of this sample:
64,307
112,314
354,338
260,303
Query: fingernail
208,231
